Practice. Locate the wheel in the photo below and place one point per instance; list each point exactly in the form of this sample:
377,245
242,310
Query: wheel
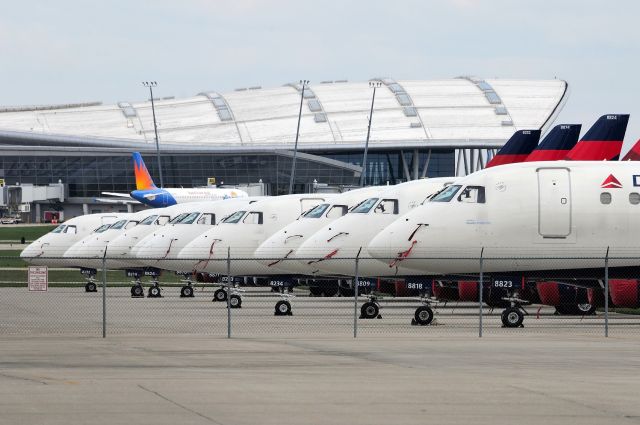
137,291
235,301
369,310
512,317
283,308
186,291
586,309
154,291
423,315
315,291
90,287
220,295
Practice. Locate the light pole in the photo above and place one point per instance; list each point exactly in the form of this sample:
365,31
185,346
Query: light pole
303,83
151,85
363,177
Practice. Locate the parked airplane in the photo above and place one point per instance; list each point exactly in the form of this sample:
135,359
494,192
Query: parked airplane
517,148
148,193
528,215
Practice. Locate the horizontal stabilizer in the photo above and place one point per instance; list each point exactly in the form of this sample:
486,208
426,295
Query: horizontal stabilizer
634,153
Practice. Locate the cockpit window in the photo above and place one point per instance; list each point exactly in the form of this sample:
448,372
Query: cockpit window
149,220
337,211
162,220
446,194
472,195
131,223
59,229
317,211
119,224
387,206
102,228
177,218
364,206
72,230
190,218
207,219
235,217
254,217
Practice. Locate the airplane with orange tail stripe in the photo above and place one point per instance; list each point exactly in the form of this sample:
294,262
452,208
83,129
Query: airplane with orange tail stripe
149,194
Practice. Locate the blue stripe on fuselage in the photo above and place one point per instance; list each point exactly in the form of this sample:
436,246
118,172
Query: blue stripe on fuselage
161,197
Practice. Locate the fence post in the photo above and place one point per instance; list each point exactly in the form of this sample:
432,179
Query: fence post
228,292
104,293
606,294
356,285
480,291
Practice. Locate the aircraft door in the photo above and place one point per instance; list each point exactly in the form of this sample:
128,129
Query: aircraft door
554,202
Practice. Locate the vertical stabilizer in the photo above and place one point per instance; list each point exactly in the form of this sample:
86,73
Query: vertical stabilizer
517,148
143,179
555,146
603,141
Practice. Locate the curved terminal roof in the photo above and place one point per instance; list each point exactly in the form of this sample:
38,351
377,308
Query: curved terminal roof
458,112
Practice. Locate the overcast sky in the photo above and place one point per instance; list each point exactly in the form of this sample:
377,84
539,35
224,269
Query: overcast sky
67,51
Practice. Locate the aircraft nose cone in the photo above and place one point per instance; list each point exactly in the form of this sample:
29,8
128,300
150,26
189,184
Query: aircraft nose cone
381,246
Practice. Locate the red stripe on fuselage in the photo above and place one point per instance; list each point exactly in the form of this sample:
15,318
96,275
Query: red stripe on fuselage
547,155
506,159
595,151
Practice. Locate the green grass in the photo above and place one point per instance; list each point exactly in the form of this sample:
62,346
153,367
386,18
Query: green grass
30,233
11,258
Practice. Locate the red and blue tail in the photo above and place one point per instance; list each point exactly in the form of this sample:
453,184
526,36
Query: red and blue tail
603,141
517,148
555,146
634,153
143,178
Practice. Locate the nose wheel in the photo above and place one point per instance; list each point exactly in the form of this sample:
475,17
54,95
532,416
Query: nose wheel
283,307
513,316
90,286
137,291
154,290
187,290
370,309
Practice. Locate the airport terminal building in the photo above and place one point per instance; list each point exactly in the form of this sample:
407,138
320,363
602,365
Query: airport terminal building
425,128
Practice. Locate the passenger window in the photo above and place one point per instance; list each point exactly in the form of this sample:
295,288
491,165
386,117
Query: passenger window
634,198
472,195
387,206
253,218
337,211
207,219
605,198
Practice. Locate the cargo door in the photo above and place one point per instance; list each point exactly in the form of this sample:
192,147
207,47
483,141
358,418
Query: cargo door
554,202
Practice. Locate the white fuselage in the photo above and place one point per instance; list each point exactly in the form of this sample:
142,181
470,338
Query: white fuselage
204,194
278,251
242,233
49,249
332,249
539,210
160,248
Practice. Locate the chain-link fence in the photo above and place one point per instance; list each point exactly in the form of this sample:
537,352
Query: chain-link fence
241,296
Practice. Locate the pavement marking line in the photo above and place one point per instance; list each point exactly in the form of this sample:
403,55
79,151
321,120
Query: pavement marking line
576,402
180,405
22,378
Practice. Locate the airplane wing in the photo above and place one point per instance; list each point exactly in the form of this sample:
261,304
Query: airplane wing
120,195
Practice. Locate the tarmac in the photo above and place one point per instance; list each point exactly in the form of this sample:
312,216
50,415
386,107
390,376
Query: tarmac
309,370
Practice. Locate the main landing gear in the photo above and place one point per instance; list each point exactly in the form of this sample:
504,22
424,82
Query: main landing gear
513,316
370,309
283,307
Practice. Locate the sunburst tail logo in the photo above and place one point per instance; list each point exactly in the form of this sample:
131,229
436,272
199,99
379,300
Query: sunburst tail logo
143,179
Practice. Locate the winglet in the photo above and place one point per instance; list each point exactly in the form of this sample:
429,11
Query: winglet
603,141
555,146
143,179
517,148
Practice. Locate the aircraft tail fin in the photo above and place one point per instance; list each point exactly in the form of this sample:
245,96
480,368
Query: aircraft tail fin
603,141
517,148
143,178
555,146
634,153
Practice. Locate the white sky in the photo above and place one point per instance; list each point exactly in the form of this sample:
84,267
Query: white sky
66,51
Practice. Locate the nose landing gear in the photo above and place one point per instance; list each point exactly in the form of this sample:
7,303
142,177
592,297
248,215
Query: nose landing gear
371,309
283,307
154,290
513,316
424,314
